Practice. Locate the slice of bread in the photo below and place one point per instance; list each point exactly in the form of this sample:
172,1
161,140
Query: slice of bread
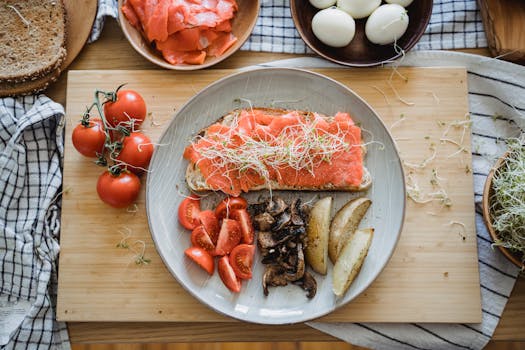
29,87
197,182
32,39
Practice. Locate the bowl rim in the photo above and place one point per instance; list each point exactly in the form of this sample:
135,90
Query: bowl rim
186,67
487,191
413,42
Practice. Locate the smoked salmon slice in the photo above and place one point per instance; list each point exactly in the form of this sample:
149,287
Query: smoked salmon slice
184,30
301,150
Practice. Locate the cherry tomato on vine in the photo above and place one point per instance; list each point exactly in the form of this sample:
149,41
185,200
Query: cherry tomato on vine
118,190
128,104
89,137
136,152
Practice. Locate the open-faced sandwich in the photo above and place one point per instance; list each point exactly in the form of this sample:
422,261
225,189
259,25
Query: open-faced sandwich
269,148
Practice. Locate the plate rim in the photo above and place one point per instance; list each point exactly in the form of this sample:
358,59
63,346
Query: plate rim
173,120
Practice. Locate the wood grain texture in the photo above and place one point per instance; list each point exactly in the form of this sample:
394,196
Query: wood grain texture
504,22
432,261
223,346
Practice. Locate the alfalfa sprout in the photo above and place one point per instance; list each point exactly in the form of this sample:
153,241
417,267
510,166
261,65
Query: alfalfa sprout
507,202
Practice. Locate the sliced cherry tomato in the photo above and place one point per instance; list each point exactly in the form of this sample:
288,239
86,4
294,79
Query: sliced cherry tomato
118,190
209,220
202,258
89,137
228,204
242,216
228,277
229,237
128,105
136,152
189,210
201,239
241,260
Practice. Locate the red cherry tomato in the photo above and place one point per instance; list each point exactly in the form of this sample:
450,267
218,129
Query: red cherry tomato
229,237
202,258
129,105
227,275
201,239
120,190
89,139
211,224
228,204
242,216
189,210
241,260
136,152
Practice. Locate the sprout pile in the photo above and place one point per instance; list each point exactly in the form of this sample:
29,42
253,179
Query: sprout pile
507,202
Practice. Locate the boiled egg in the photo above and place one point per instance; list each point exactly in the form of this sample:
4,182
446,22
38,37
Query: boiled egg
358,8
322,4
333,27
403,3
386,24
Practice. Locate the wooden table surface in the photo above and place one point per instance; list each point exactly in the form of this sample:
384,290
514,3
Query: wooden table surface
112,51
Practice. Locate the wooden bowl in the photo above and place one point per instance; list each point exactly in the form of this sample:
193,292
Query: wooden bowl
487,194
242,26
361,52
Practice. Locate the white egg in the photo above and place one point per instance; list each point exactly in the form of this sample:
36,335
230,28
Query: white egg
386,24
358,8
322,4
333,27
403,3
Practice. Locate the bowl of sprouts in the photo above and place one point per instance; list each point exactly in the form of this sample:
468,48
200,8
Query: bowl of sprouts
504,203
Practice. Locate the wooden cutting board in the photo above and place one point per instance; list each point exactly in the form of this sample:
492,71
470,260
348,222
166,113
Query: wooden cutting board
432,276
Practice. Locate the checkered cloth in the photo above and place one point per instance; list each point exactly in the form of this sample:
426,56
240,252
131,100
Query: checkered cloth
455,24
31,149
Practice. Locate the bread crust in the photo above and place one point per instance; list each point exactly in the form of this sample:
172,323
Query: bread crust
196,181
30,87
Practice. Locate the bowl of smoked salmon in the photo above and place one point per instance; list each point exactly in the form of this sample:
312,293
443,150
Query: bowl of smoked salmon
187,35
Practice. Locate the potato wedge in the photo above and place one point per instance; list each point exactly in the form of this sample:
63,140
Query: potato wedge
350,260
316,252
344,224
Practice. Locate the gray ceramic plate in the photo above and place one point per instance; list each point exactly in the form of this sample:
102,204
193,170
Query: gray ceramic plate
288,88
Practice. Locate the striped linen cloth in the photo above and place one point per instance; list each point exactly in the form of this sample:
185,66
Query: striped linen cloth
497,112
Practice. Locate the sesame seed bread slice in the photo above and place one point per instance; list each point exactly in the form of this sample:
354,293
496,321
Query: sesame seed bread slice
196,181
32,39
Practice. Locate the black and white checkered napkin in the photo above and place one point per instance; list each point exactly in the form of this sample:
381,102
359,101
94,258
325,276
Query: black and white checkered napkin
31,149
455,24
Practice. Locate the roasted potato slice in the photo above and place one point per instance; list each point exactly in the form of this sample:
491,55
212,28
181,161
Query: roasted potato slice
344,224
316,252
350,260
